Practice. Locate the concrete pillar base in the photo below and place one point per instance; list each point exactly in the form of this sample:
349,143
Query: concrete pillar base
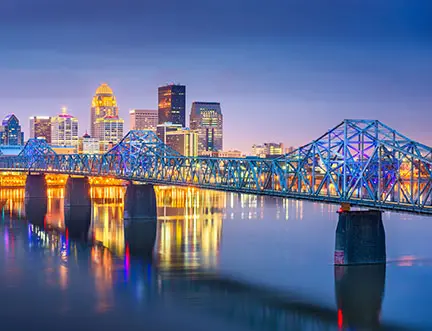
36,199
140,202
360,238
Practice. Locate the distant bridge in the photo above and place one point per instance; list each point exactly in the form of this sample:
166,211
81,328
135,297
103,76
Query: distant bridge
360,162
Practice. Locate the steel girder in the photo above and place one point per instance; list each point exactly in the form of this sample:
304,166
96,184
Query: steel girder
362,162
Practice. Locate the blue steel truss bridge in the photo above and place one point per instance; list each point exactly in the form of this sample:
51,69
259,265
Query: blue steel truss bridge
361,162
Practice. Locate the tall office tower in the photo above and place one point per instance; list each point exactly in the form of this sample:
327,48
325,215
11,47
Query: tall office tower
141,119
206,119
172,104
40,127
10,131
64,130
109,131
104,104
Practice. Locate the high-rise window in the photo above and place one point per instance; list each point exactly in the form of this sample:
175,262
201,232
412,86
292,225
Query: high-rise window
11,133
206,119
172,104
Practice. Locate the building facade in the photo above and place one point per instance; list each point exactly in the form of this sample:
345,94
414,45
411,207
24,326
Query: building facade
183,141
163,129
90,145
109,131
172,104
207,120
64,130
104,103
268,150
142,119
40,127
10,131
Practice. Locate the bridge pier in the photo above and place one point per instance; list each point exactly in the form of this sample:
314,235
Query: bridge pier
36,199
140,215
77,207
360,238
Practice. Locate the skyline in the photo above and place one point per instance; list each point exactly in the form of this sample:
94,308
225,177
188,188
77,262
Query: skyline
306,67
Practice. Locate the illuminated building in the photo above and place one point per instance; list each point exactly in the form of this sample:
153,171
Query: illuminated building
230,154
141,119
180,139
207,120
104,104
183,141
64,130
10,130
109,131
268,150
172,104
162,129
40,127
64,149
90,145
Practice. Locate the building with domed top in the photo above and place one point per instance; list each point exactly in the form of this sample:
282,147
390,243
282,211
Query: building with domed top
104,103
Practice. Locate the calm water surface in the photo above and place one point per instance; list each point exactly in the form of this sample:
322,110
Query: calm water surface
221,261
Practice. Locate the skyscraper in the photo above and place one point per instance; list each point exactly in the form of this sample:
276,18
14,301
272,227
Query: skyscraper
172,104
104,104
109,131
10,130
141,119
40,127
207,120
64,129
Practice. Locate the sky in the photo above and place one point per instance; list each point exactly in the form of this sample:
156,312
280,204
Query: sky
283,70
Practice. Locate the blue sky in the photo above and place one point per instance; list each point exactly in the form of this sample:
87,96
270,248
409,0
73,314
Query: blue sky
283,70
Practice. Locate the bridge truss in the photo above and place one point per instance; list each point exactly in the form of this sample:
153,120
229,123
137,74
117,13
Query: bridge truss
361,162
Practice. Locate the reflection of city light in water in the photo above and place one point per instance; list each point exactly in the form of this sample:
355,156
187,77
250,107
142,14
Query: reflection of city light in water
190,225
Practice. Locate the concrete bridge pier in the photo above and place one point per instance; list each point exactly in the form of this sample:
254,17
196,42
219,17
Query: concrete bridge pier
140,216
36,199
359,295
77,207
360,238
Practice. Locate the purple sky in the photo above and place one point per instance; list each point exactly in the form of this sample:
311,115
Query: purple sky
283,70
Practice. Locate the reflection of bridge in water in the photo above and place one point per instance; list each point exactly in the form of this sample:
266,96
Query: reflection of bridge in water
188,242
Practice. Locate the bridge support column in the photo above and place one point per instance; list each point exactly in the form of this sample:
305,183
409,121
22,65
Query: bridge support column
77,207
36,199
360,238
140,215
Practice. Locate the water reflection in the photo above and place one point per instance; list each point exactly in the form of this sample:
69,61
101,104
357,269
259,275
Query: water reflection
187,250
190,227
359,293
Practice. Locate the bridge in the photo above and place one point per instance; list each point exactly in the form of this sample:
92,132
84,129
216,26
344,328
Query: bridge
361,162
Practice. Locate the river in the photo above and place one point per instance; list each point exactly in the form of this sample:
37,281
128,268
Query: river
221,261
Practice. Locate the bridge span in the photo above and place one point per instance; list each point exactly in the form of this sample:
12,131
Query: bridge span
360,162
